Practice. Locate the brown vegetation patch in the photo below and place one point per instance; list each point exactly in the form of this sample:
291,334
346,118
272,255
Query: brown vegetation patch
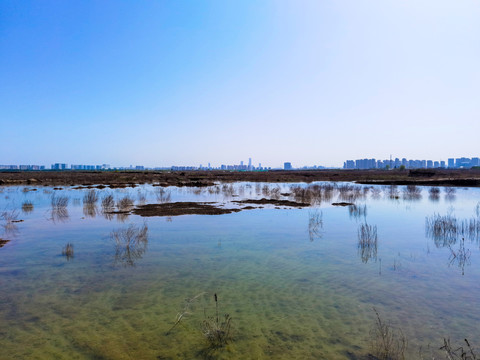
342,204
180,208
273,202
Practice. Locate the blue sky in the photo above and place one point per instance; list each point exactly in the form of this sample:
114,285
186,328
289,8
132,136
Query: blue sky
163,83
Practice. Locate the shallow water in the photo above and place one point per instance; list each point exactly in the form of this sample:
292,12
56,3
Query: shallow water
295,281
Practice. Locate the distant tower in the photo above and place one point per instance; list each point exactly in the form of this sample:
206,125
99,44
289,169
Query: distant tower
249,163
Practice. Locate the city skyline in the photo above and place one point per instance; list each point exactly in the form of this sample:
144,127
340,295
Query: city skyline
162,83
364,163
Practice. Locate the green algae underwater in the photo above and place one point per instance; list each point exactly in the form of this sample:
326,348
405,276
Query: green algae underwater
296,283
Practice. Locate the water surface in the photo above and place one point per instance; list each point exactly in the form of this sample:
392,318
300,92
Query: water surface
297,282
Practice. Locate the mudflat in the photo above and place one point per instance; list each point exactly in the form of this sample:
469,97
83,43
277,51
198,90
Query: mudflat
432,177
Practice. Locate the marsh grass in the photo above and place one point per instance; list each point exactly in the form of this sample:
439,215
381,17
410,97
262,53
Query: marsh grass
59,211
216,329
445,230
461,256
90,198
67,251
141,196
125,203
442,229
387,342
393,192
367,242
90,210
275,193
412,192
315,225
27,207
450,190
350,193
108,203
10,218
164,196
59,202
376,192
357,212
130,244
434,193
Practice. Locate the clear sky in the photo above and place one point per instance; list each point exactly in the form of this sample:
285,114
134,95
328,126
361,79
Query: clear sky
162,83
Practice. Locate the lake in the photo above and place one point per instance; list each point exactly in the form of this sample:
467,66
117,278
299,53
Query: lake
80,282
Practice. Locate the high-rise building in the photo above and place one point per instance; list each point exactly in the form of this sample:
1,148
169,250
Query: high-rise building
287,166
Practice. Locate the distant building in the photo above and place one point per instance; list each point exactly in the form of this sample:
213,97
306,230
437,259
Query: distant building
287,166
349,164
59,166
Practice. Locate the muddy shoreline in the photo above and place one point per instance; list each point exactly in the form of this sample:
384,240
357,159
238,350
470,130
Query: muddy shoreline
440,177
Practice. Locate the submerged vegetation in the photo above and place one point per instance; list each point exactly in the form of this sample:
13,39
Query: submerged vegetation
387,342
460,352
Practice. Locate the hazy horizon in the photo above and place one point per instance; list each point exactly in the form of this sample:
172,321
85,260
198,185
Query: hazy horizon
187,83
